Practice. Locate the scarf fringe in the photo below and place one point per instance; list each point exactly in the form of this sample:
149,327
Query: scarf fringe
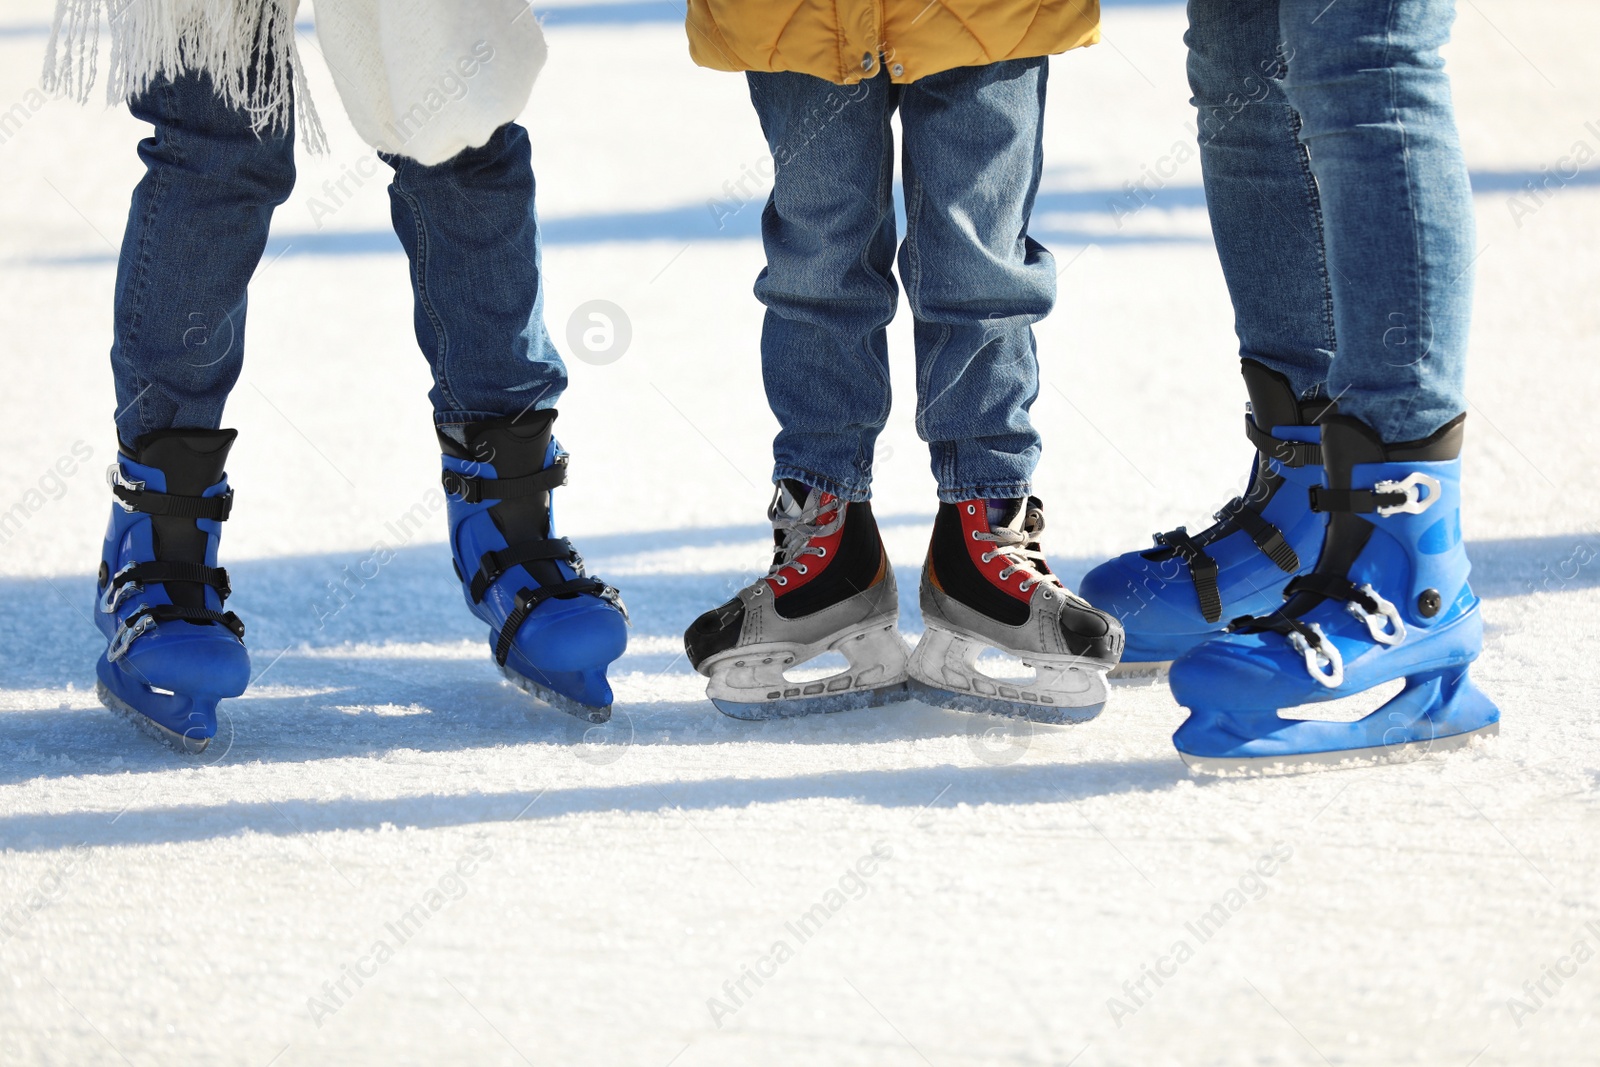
247,46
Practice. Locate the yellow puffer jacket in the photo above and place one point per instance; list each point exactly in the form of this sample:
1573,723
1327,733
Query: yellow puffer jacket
841,41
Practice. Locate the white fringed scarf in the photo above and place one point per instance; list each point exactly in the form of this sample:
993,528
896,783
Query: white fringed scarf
422,78
247,46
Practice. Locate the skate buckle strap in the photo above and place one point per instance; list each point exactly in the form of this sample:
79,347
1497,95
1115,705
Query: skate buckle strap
133,496
133,577
148,616
493,564
476,490
1385,497
1415,503
1202,568
1382,620
529,599
1314,645
1289,453
1268,538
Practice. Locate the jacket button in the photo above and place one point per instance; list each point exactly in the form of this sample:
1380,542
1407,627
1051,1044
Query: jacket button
866,61
898,69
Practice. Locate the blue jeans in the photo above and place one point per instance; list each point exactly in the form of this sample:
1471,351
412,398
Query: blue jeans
198,225
975,280
1339,198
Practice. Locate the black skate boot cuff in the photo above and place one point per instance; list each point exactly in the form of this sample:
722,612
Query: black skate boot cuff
513,435
192,460
1272,399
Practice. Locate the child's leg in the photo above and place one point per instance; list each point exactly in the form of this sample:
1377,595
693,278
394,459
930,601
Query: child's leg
976,283
1266,215
196,230
829,233
470,230
1369,84
975,279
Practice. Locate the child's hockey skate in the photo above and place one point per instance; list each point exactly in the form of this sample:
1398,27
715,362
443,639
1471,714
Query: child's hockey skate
173,653
830,589
553,629
987,585
1171,597
1388,599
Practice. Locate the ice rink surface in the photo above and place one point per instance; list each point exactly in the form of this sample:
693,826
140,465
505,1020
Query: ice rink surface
385,860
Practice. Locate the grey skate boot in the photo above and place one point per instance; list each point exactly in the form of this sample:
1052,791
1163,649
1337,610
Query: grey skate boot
988,586
830,589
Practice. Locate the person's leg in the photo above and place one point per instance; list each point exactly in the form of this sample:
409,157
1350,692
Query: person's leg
471,232
975,280
976,283
828,228
1266,219
829,233
196,229
1369,84
1389,596
1266,215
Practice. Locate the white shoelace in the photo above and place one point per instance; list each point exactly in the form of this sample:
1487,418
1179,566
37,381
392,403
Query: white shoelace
1021,550
797,526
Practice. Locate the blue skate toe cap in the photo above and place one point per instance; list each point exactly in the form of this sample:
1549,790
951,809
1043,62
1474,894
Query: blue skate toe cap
195,660
579,635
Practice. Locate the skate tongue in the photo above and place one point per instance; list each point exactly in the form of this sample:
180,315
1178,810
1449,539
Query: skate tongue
791,498
1007,513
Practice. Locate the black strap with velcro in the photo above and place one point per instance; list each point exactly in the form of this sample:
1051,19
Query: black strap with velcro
1356,500
477,490
492,564
1289,453
529,599
1332,586
1202,568
1268,538
163,571
171,505
173,613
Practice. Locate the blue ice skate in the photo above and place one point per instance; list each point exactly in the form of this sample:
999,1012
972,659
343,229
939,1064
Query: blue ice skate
1388,599
1171,597
552,628
172,651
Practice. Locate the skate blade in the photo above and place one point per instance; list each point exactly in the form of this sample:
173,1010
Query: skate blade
826,704
1345,759
559,701
1054,714
189,746
1140,673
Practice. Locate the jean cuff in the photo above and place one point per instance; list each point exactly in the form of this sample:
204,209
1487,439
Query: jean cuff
849,493
1007,491
462,418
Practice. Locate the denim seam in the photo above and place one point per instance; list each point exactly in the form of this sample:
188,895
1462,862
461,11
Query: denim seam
419,272
1416,233
1313,199
141,268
